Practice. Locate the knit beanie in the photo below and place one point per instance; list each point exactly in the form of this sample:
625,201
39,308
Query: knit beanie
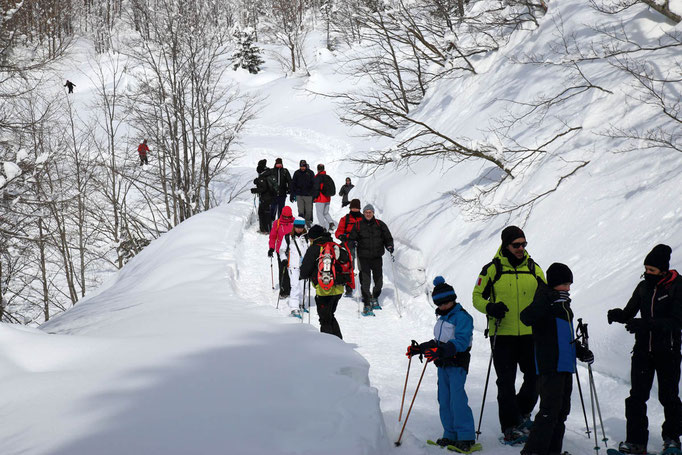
278,161
299,222
355,204
303,163
286,212
659,257
442,292
557,274
315,232
511,233
368,207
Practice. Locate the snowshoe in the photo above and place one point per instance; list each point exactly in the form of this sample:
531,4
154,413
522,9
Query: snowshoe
671,447
464,447
441,442
375,303
296,314
367,311
627,448
526,424
514,437
348,294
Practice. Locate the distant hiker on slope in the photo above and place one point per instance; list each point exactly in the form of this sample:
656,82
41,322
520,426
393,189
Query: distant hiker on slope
69,85
301,191
326,297
551,319
296,246
345,189
323,191
372,237
265,195
280,228
142,150
343,231
450,351
280,179
658,300
504,288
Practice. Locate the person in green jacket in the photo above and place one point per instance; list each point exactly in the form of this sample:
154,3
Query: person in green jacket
504,288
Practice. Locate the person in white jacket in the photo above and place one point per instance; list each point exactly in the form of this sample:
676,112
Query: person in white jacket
295,245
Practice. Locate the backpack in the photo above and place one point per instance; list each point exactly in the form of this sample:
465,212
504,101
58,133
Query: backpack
497,263
328,187
334,266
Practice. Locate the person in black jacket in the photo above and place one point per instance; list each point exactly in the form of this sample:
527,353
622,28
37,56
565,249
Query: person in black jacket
658,300
301,192
280,179
265,196
372,237
551,318
344,191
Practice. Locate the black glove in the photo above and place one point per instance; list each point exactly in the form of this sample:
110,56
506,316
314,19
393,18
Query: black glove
343,237
292,198
496,310
428,345
270,251
414,349
390,249
616,315
584,354
636,325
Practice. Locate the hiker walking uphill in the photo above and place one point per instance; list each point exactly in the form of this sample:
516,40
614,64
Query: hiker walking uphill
280,179
323,190
295,247
551,319
372,237
346,224
504,288
265,196
301,192
658,300
326,296
281,227
69,85
450,351
142,151
343,192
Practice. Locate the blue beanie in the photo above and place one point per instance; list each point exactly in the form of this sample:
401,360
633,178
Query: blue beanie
442,292
299,222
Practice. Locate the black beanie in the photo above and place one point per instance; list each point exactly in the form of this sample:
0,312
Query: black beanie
315,232
442,292
355,204
511,233
557,274
303,163
659,257
261,166
278,161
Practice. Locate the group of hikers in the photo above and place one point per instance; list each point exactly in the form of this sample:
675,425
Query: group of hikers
530,322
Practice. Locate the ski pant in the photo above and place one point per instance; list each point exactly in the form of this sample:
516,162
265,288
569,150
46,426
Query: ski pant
284,283
143,159
547,433
324,219
455,413
351,247
666,365
264,220
326,306
371,268
305,209
296,294
512,351
278,203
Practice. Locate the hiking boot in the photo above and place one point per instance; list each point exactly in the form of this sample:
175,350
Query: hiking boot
367,311
671,446
296,314
630,447
514,435
374,302
464,446
526,423
444,442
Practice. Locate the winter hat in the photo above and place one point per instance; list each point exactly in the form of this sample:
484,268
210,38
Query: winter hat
442,292
303,163
355,204
368,207
659,257
315,232
262,164
511,233
558,273
278,161
299,222
320,167
286,212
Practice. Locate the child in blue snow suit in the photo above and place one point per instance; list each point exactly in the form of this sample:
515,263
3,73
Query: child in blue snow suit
450,351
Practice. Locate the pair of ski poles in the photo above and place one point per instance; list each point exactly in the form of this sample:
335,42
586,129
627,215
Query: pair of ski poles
402,402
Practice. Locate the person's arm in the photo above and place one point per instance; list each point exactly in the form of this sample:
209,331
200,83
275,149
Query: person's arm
341,229
632,307
308,264
538,310
464,331
273,235
354,234
315,193
482,291
386,235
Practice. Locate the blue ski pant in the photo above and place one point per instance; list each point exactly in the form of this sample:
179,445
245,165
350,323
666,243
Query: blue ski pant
455,413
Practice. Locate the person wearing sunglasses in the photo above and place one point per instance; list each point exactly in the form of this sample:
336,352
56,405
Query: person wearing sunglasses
505,287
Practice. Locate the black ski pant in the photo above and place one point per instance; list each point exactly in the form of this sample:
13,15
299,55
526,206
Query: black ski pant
547,434
143,159
264,219
351,247
666,365
284,282
326,306
512,351
371,268
278,203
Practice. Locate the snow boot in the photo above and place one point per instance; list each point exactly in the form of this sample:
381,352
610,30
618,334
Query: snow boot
367,311
464,446
375,303
514,436
632,448
526,423
296,314
671,447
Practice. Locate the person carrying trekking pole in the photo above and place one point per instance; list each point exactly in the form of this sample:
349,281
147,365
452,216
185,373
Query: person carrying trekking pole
504,288
551,319
296,243
345,226
658,300
450,351
281,227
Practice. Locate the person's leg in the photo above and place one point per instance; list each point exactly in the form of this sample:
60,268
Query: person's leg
641,379
377,265
321,220
308,210
463,418
273,209
528,393
296,293
668,374
328,217
444,401
560,428
326,305
551,387
285,283
504,360
336,330
365,279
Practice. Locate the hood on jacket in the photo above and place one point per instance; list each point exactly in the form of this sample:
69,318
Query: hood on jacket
286,212
261,166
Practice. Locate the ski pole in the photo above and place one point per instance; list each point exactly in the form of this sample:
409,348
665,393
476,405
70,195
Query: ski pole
309,292
397,443
596,400
395,285
584,334
487,377
582,402
407,375
272,274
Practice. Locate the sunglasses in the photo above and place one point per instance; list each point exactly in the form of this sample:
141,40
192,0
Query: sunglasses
517,245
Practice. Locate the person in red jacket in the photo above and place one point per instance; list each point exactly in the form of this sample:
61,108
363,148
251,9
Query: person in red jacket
281,227
142,150
323,190
345,226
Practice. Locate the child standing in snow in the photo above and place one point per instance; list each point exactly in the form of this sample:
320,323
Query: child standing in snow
296,246
282,226
450,351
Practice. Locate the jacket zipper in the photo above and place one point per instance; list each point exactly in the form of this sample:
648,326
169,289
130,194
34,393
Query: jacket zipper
651,316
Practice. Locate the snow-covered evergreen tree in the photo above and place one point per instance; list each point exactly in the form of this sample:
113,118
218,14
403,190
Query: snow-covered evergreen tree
247,55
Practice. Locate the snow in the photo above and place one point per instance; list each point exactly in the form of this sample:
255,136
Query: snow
12,170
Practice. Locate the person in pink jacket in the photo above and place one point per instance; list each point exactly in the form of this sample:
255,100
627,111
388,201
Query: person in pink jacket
281,227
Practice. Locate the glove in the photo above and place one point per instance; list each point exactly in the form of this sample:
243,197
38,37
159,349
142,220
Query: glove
270,251
432,354
343,237
496,310
390,249
413,349
292,198
615,315
584,354
636,325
